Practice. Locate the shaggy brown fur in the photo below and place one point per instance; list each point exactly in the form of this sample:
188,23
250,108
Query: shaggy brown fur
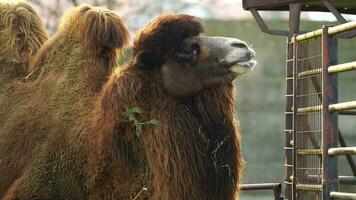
172,30
101,34
21,35
194,152
39,156
62,148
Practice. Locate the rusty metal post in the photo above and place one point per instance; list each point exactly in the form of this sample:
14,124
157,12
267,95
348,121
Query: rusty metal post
330,120
294,18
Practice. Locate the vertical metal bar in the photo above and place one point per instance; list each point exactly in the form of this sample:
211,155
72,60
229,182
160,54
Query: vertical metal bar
289,122
330,120
295,73
294,18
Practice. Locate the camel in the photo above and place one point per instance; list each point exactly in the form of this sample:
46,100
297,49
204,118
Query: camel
165,125
18,43
64,74
162,126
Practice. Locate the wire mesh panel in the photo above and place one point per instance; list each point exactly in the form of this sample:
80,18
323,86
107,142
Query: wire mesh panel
308,119
311,134
304,119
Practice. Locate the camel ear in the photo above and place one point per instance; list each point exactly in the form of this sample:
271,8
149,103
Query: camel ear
147,60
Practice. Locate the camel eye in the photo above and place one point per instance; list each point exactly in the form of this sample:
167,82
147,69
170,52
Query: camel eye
191,51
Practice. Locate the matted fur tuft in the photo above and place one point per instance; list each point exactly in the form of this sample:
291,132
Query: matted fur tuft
21,32
57,144
91,38
96,27
193,153
166,32
43,120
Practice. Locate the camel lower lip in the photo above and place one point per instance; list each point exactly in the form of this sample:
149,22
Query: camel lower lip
243,67
249,64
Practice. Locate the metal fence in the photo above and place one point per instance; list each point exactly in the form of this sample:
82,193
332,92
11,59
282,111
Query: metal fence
312,109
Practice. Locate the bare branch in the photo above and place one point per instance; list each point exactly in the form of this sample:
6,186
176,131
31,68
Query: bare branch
75,2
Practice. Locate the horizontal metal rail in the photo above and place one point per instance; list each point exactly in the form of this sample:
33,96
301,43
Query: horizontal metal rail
260,186
332,69
275,187
308,187
344,180
347,112
342,67
309,109
350,105
331,31
347,180
309,73
343,195
342,151
309,151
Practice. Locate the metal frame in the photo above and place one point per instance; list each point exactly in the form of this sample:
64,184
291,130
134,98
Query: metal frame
275,187
294,86
330,120
289,116
294,20
330,109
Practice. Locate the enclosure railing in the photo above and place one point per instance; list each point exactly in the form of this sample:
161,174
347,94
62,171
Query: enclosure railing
275,187
312,109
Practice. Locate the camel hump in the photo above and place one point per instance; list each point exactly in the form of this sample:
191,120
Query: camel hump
21,35
88,41
96,27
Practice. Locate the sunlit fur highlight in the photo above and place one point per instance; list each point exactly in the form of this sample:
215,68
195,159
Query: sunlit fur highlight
44,118
193,153
56,143
21,35
101,34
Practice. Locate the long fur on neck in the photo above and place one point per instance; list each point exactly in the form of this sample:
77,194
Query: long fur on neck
193,153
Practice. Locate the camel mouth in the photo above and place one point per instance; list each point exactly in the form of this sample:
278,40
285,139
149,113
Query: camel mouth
243,67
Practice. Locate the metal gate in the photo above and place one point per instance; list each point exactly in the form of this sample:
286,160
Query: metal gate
312,109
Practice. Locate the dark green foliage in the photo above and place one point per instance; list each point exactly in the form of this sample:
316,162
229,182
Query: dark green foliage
131,113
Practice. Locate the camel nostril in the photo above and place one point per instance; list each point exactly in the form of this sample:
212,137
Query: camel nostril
249,55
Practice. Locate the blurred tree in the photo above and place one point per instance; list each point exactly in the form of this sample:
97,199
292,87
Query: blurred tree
135,12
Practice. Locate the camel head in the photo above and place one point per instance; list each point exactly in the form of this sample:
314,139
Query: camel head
188,60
